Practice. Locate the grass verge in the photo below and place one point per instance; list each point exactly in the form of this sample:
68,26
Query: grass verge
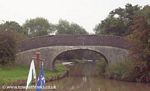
10,74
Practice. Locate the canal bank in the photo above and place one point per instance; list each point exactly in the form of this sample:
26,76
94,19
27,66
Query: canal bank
17,74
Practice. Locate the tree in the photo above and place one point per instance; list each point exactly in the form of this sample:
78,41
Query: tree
146,12
38,27
76,29
111,26
140,52
126,14
64,27
10,26
14,28
140,37
7,47
118,21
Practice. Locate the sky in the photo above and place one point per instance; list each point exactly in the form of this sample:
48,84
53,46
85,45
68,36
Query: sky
86,13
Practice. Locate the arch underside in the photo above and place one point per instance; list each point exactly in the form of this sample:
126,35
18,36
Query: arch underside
80,54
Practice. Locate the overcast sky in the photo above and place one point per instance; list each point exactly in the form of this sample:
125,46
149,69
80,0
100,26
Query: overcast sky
86,13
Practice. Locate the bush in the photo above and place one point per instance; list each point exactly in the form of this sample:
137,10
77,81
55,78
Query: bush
101,66
7,47
120,71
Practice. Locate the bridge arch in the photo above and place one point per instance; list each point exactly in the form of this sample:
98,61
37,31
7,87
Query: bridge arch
74,51
111,54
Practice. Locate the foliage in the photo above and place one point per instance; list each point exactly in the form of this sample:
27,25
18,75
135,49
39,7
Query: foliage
15,29
64,27
60,69
118,21
10,26
38,27
111,26
140,38
7,47
101,66
141,50
146,12
19,37
120,71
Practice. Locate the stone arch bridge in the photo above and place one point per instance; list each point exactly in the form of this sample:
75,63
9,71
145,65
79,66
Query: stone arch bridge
113,48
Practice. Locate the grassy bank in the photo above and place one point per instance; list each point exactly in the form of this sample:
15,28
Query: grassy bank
60,69
124,70
9,74
120,71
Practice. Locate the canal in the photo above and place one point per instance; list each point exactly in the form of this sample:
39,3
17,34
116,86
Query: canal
83,77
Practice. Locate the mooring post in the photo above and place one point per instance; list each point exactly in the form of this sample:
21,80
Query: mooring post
37,53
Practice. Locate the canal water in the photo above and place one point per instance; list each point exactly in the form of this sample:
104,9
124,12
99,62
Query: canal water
82,78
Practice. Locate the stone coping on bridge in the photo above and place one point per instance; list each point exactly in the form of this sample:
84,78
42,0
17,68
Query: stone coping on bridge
69,48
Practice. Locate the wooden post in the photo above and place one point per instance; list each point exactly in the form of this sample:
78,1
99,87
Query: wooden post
37,56
38,59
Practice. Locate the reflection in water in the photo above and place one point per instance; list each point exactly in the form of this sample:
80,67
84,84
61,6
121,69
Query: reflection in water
94,83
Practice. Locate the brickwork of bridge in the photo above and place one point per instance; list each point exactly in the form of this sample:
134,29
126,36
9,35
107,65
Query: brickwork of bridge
113,48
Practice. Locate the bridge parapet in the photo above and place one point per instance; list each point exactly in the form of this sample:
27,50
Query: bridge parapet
73,40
